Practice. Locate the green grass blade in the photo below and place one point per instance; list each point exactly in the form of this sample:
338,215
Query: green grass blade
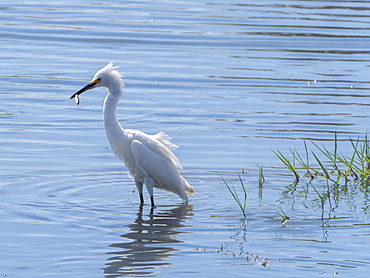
236,197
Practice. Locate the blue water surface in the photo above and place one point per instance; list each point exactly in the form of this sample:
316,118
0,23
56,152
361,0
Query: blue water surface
230,82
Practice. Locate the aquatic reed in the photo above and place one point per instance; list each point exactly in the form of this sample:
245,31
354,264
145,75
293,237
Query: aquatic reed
241,203
283,216
330,164
261,177
290,165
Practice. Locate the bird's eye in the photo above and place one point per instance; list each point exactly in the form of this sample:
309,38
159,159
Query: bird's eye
96,81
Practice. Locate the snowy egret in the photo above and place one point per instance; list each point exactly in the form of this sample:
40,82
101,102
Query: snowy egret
148,158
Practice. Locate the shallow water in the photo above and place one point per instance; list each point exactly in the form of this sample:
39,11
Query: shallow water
229,82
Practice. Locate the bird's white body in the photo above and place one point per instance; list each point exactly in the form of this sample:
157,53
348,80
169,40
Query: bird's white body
148,158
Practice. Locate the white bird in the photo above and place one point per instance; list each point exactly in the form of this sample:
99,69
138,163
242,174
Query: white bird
148,158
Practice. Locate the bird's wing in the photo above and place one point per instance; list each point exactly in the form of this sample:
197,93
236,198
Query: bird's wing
157,166
161,145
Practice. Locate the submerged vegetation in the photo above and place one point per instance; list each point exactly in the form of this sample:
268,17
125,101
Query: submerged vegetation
333,171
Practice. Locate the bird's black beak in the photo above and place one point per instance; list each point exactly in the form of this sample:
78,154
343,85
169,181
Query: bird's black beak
84,89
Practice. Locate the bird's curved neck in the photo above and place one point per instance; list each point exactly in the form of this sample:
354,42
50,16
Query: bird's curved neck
110,105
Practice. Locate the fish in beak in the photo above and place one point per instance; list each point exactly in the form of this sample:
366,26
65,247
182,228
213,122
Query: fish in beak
89,86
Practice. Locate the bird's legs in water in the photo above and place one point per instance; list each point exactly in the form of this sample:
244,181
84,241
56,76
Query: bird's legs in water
139,186
149,183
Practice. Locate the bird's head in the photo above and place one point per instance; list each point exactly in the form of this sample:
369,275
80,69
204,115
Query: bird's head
105,77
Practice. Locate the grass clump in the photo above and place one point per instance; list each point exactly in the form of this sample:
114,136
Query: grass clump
290,165
329,163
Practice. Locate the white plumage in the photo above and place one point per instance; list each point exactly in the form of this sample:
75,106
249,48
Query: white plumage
148,158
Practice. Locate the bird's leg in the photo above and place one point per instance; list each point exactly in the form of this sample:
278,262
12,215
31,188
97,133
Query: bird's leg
141,198
149,183
139,186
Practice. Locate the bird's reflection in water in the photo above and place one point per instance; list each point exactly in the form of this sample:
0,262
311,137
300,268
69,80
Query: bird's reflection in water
150,244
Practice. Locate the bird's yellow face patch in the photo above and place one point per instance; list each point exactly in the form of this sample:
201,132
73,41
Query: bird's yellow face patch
95,81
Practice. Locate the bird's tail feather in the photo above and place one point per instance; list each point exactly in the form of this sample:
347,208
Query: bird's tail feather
165,139
188,188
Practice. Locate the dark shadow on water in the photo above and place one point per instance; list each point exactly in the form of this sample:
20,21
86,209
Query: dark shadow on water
148,244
